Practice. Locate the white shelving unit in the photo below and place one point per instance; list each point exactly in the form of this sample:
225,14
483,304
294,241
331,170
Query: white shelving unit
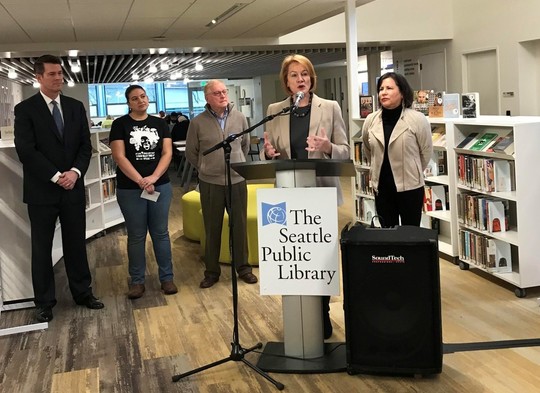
522,201
446,219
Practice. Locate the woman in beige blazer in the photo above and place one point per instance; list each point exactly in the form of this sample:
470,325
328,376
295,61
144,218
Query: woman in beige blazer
312,129
397,139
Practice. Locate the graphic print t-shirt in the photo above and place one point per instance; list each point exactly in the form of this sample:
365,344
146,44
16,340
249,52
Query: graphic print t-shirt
143,141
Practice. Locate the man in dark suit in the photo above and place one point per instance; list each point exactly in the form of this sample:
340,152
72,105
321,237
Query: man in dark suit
52,139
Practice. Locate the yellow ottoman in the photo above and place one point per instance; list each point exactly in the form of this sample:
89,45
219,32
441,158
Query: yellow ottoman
193,222
252,228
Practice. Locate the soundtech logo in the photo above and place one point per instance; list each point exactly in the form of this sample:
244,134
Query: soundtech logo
387,259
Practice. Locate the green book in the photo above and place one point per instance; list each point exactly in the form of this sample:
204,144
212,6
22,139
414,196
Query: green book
483,140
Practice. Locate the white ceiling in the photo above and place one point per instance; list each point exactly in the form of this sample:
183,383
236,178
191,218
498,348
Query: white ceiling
114,38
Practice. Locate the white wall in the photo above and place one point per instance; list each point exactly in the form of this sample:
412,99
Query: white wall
504,26
384,20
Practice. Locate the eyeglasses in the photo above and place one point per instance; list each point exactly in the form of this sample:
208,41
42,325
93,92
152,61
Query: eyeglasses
219,93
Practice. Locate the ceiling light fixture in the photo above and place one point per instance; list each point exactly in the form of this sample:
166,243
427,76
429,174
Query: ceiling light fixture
152,69
164,66
135,76
71,83
35,85
12,74
162,51
226,15
73,53
75,68
148,79
199,67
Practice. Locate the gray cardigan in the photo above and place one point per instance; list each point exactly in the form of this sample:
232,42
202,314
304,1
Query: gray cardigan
205,132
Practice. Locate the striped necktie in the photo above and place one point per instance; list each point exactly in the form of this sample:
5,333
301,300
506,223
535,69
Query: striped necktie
58,118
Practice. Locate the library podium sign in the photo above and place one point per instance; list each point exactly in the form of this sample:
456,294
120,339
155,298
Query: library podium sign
298,241
298,258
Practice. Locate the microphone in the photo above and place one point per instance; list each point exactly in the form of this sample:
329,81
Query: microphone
299,97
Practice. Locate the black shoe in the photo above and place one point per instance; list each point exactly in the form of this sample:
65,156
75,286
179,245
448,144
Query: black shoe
44,314
207,282
90,301
249,278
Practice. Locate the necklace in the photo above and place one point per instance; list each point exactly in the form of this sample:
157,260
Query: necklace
302,111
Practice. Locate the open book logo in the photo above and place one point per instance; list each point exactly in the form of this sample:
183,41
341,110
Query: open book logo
274,214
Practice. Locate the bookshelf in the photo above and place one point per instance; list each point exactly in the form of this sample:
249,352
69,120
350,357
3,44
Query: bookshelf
503,244
438,176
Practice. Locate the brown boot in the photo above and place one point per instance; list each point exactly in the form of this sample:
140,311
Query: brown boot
169,288
135,291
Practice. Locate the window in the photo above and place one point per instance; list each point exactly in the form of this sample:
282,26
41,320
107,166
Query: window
93,100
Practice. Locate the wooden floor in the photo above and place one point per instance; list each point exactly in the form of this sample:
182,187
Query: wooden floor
137,346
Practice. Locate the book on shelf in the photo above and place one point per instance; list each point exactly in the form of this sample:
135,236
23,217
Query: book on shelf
451,105
435,108
499,257
467,140
368,209
496,216
428,201
470,104
437,164
438,197
504,145
438,136
482,141
502,175
421,101
367,105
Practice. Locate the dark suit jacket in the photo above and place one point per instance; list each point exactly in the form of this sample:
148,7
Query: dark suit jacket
43,151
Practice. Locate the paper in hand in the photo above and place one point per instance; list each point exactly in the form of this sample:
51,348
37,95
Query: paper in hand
151,197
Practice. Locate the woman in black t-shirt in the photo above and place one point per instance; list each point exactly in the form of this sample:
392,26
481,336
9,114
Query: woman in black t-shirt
142,148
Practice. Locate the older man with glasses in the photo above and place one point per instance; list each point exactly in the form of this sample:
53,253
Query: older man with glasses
210,127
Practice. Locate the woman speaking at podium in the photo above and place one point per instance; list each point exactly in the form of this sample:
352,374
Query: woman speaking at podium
313,129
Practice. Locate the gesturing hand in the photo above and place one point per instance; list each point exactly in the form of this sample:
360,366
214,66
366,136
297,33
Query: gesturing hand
319,143
269,150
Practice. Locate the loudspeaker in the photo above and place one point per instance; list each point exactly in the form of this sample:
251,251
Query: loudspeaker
392,300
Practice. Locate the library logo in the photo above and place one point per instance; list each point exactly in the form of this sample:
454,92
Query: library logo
274,214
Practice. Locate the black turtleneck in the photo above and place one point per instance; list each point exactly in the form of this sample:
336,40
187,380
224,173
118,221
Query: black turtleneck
389,117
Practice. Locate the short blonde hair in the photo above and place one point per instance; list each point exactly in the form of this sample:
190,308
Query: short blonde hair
303,60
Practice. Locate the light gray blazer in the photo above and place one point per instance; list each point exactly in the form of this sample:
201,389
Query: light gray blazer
324,114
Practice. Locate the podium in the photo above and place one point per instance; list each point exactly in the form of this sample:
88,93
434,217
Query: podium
303,349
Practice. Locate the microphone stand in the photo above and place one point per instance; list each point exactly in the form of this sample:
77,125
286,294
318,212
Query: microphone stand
237,351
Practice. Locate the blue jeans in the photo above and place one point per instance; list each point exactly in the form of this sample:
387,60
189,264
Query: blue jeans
142,215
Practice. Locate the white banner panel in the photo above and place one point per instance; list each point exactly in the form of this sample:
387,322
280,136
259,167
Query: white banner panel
298,241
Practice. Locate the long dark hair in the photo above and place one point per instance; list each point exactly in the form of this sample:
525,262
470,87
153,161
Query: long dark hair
403,86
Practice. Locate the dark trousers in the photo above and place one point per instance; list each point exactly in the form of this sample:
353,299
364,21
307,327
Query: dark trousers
407,205
213,203
73,226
